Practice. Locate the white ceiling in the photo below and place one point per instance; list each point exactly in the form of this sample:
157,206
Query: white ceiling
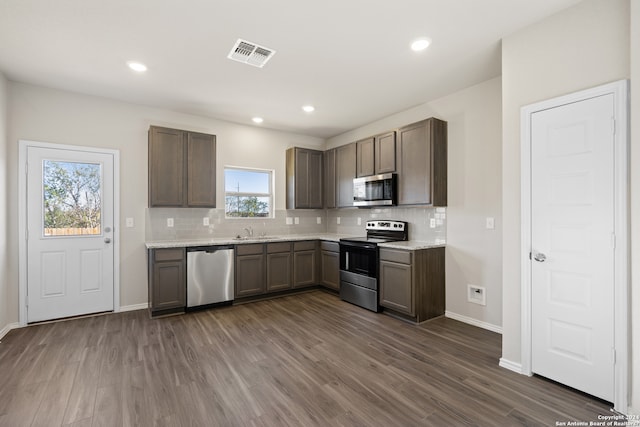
349,58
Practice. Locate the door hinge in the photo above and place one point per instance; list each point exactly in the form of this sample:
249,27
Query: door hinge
26,235
26,168
613,355
613,240
530,254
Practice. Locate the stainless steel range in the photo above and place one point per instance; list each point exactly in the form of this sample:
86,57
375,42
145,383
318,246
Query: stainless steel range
359,262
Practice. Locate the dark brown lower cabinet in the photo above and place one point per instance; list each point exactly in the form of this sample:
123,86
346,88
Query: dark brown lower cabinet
250,271
167,280
278,266
412,283
330,265
304,263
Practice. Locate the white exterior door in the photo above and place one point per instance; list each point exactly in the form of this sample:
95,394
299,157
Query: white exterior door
70,250
572,245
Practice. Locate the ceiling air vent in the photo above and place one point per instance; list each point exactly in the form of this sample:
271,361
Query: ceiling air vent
250,53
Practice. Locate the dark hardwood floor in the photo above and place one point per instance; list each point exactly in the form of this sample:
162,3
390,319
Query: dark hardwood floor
303,360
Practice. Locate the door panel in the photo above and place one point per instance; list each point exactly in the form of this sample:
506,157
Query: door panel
70,257
572,269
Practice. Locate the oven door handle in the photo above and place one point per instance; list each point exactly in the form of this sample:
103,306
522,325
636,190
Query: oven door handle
369,246
346,260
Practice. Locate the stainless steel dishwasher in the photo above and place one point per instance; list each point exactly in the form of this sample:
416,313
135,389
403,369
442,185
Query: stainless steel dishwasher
210,275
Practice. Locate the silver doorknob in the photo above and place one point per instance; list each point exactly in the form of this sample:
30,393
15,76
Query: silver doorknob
107,240
540,257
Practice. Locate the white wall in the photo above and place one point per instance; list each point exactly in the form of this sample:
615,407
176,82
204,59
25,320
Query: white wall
580,47
474,254
635,204
47,115
4,226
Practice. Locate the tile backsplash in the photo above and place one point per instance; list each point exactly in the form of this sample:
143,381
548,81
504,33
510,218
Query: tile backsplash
188,222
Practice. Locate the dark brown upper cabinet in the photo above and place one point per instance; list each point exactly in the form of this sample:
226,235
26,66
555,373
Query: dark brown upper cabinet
421,154
182,168
376,155
304,178
345,172
330,179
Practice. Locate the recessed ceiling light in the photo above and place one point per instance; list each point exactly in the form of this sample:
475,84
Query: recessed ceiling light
309,108
420,44
137,66
258,120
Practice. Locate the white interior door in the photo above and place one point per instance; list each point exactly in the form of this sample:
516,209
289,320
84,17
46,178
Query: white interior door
572,242
70,251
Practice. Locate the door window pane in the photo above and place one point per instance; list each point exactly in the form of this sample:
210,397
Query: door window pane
72,198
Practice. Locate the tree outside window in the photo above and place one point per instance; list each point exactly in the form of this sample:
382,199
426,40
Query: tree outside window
248,193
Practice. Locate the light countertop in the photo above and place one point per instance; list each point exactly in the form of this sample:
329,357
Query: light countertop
410,245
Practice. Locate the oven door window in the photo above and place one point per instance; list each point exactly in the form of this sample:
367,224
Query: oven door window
357,260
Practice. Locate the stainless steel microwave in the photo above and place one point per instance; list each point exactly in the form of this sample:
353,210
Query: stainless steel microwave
376,190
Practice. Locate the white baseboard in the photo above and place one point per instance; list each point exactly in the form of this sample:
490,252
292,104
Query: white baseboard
4,331
134,307
474,322
512,366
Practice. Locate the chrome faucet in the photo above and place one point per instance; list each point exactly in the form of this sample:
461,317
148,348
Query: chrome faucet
249,231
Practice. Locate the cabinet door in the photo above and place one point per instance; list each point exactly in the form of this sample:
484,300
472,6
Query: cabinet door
330,179
346,171
301,178
314,179
166,167
169,287
421,154
278,271
201,170
330,269
249,275
385,153
365,157
304,267
396,290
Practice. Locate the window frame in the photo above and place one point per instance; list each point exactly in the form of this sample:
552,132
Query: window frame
270,195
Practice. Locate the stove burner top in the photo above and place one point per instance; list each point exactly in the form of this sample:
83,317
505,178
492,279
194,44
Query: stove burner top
382,231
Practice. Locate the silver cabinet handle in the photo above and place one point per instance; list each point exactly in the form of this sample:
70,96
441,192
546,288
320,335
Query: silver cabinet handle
107,240
540,257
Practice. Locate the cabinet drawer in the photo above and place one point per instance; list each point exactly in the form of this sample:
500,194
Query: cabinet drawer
330,246
402,257
304,246
255,249
173,254
273,248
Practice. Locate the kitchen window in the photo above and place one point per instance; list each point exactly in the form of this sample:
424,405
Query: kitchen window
248,193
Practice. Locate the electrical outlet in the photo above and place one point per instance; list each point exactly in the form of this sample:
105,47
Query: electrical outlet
205,221
432,223
129,222
289,220
338,220
318,220
359,221
169,222
477,294
296,220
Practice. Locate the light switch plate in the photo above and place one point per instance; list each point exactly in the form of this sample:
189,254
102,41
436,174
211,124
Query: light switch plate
296,220
169,222
432,223
490,223
289,220
338,220
359,221
205,221
129,222
318,220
